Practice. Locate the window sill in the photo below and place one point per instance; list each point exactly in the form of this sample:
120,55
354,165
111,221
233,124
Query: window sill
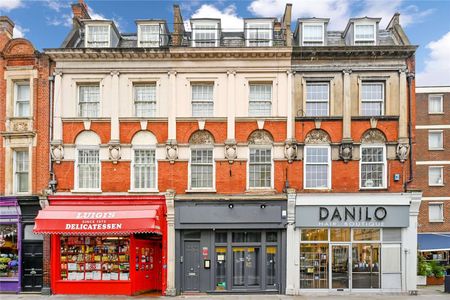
436,221
90,191
137,191
201,191
436,113
436,149
373,189
260,190
322,118
436,185
383,117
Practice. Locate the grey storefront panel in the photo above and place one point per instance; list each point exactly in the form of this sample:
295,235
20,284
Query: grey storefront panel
312,216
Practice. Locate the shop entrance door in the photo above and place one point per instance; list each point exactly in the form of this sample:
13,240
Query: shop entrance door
246,267
340,267
148,265
32,266
191,266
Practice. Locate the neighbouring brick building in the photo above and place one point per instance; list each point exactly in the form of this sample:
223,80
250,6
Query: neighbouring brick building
433,170
24,157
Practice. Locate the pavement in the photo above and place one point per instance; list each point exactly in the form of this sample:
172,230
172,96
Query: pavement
424,293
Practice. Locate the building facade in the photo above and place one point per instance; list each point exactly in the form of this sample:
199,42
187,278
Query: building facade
433,171
24,158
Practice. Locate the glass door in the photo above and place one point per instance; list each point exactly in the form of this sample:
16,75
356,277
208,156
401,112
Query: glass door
340,260
246,267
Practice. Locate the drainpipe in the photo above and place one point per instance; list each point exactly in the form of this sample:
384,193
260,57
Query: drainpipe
410,78
51,80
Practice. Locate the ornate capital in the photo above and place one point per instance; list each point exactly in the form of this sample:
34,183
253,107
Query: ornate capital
346,151
114,152
290,150
230,150
402,151
115,73
174,73
171,150
347,71
57,152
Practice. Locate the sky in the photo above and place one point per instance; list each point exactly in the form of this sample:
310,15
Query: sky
426,22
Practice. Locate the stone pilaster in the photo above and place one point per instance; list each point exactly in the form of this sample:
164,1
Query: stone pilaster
57,109
347,108
403,114
231,105
172,118
292,266
115,103
170,206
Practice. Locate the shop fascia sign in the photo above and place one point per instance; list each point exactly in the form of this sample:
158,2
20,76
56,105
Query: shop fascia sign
352,216
94,221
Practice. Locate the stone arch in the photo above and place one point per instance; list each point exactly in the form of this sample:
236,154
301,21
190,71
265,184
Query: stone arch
144,138
260,137
20,46
373,136
317,136
87,138
201,137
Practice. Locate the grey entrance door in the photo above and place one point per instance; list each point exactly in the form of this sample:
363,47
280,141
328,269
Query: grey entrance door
191,265
31,266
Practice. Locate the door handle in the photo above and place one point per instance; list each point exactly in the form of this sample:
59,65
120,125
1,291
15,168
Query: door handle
32,272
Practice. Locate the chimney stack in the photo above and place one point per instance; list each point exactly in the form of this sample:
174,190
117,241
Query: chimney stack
6,26
178,26
80,10
286,21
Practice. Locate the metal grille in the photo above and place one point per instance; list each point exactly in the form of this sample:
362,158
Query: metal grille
202,100
201,168
205,35
260,99
260,168
372,99
22,99
145,100
88,169
89,100
317,167
150,35
98,36
372,167
259,35
317,99
144,169
21,170
313,35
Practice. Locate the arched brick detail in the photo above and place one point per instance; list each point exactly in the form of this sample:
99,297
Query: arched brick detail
217,129
260,137
72,129
129,129
332,127
277,130
19,47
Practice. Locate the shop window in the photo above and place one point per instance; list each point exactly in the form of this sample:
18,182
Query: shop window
435,140
192,235
221,268
436,212
271,237
22,99
9,258
271,266
144,95
89,100
202,99
317,167
340,234
314,266
29,235
221,237
260,167
366,234
260,99
246,237
88,169
372,99
95,258
392,235
373,166
144,168
435,104
246,266
317,99
21,169
97,36
366,266
314,234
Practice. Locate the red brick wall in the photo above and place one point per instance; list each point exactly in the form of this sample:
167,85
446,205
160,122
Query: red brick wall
129,129
425,226
72,129
186,129
116,177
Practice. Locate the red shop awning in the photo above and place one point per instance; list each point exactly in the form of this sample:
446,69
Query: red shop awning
99,220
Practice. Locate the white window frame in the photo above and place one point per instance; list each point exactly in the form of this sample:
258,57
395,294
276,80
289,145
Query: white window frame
76,184
441,132
384,185
329,164
441,170
252,114
197,30
248,29
270,147
16,100
364,41
441,98
441,208
132,181
315,101
212,83
143,83
88,44
383,101
15,180
82,84
202,189
313,42
158,42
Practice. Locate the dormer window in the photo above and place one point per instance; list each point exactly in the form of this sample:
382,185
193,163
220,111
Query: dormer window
97,36
364,34
205,34
313,34
149,35
258,34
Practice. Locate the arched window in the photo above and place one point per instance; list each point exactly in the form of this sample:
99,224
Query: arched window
201,163
317,169
260,166
373,160
87,165
143,167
